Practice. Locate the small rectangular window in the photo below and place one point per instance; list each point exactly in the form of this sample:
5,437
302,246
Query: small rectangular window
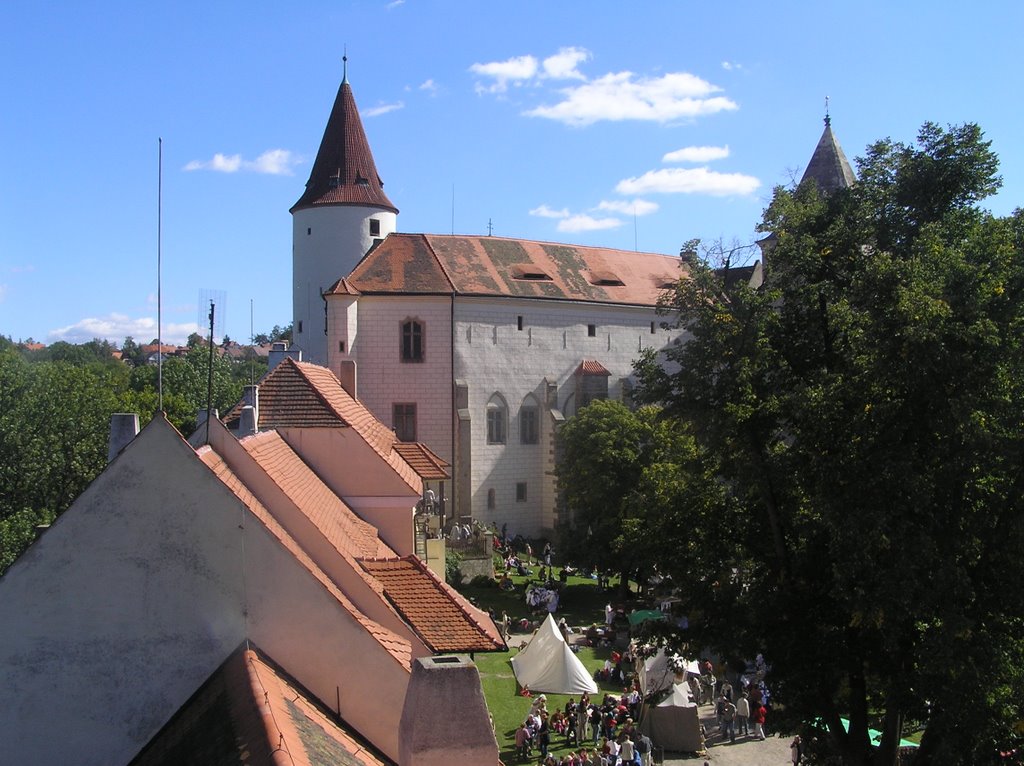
341,346
521,492
309,231
592,330
519,322
652,328
403,421
300,325
374,227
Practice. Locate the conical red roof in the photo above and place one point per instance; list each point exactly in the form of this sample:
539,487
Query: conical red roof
344,172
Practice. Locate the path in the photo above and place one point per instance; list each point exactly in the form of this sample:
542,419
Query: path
745,751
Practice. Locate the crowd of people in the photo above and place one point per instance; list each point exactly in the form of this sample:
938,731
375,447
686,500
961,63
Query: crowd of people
602,734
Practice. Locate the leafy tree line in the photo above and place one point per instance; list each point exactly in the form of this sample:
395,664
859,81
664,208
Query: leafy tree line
55,408
844,489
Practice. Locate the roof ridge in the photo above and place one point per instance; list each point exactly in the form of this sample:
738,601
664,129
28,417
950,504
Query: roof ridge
440,264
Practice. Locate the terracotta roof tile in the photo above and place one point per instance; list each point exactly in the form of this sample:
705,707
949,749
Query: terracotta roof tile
424,461
398,647
338,523
439,615
344,172
464,265
591,367
249,711
302,395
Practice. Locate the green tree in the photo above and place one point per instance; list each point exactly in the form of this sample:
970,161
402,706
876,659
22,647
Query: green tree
862,412
607,450
54,422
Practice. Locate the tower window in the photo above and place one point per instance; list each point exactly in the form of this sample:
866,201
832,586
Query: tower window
309,230
341,346
300,325
490,500
374,227
497,420
521,492
412,341
519,322
652,328
592,330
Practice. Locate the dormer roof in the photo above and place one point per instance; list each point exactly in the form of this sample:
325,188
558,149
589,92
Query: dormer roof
344,172
829,167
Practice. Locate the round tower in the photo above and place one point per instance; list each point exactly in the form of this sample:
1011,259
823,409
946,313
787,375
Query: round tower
342,213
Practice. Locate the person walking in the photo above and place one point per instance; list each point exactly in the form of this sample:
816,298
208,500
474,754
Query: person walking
759,715
796,749
743,715
729,719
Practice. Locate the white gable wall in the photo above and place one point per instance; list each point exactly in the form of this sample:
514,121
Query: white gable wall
138,592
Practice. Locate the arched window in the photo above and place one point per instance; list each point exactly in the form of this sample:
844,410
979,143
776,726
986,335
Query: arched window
529,421
413,337
497,420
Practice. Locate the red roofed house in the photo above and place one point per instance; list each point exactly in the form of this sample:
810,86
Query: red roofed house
250,596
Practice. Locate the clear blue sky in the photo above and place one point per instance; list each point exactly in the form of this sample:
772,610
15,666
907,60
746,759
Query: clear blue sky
621,124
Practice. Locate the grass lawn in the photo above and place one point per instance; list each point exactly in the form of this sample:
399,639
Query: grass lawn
582,603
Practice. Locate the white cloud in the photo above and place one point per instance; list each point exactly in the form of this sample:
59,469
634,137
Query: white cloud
697,154
728,66
394,4
116,327
515,70
562,66
622,96
545,212
376,111
430,86
689,181
277,162
627,207
576,223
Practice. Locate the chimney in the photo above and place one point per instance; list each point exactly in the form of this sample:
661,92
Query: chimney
124,426
347,376
251,398
201,416
247,421
279,351
428,733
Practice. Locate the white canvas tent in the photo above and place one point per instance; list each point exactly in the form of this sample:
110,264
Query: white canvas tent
673,722
655,673
547,664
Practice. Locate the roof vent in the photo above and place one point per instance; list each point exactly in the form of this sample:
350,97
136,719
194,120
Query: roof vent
605,279
531,272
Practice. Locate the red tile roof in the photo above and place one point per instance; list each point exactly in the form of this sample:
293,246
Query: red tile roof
249,711
462,265
344,172
423,460
301,395
398,647
441,617
591,367
336,521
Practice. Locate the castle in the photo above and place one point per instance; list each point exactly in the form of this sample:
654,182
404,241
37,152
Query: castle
478,346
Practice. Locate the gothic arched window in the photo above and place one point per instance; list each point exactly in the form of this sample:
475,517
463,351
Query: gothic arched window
497,420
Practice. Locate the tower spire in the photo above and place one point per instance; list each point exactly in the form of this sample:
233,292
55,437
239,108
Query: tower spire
344,172
828,166
344,66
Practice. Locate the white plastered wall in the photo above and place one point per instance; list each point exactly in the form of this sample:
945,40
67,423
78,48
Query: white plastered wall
139,592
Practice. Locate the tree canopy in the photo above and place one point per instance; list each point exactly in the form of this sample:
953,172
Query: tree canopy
862,412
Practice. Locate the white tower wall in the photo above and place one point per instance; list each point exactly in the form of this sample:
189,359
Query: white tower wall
327,242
